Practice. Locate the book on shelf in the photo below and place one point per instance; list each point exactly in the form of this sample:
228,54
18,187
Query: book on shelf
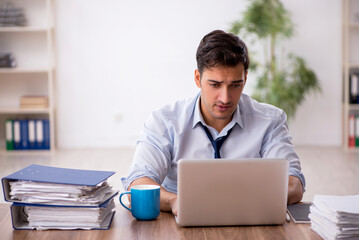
17,136
46,197
354,88
7,60
11,15
9,134
32,134
351,130
27,102
34,106
29,134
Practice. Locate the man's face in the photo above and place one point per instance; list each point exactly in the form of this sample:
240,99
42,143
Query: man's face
221,89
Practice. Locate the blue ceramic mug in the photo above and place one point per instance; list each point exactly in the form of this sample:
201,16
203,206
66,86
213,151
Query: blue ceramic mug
145,201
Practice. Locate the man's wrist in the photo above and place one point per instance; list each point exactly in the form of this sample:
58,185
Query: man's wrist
295,190
171,200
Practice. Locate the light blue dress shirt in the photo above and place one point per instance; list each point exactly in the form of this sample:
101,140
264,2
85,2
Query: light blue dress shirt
174,132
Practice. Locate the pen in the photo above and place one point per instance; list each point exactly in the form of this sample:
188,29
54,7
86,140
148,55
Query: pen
287,217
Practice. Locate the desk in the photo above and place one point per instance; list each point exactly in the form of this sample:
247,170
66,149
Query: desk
124,226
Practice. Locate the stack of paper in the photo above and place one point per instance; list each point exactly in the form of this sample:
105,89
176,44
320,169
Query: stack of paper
10,15
59,198
34,102
7,60
43,217
60,194
335,217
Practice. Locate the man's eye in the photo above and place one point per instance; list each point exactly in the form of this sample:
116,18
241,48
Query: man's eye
214,85
237,85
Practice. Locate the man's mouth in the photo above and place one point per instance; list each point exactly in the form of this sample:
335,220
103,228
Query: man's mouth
223,108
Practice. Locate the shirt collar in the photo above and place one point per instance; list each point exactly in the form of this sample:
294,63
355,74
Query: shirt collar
197,117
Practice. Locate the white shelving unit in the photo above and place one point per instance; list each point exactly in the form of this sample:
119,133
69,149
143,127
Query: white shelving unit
350,61
33,49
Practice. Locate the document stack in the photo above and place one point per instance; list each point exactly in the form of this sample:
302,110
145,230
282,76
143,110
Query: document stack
7,60
59,198
335,217
27,102
11,16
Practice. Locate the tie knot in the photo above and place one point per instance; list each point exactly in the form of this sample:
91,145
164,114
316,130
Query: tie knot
217,144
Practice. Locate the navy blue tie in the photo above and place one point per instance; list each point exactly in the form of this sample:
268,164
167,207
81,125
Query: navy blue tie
217,144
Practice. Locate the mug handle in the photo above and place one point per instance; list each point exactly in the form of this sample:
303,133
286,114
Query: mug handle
129,209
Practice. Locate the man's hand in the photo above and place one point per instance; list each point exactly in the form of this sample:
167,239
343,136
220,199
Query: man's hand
295,190
168,199
173,204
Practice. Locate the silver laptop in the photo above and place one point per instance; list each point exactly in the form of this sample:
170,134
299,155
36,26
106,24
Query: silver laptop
223,192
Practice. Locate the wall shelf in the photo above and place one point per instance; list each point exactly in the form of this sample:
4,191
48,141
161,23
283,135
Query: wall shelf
24,29
24,70
350,49
32,46
24,111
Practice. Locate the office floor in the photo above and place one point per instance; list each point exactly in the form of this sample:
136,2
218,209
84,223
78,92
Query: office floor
328,170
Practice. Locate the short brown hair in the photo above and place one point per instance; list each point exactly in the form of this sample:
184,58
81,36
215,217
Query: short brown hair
219,48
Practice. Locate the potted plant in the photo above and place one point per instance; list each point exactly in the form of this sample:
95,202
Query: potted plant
268,22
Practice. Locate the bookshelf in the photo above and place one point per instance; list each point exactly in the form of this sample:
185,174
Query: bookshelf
350,66
33,49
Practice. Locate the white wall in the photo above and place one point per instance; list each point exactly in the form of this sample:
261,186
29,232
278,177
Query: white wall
118,60
318,39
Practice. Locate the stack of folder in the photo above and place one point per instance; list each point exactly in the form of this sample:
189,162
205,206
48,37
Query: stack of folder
335,217
27,134
59,198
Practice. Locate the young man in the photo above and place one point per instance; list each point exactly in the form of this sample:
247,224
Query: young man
219,122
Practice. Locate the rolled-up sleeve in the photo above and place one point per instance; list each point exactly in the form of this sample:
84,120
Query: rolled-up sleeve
277,144
153,152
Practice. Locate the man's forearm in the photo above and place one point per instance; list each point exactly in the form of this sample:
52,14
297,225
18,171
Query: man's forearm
295,190
168,199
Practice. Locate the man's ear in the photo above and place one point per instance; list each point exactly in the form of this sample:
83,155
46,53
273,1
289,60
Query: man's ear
197,78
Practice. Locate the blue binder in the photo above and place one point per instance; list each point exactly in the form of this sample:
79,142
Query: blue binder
46,125
39,140
32,134
17,134
19,221
24,135
46,174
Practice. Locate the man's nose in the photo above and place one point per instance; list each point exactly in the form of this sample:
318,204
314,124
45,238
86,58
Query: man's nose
224,95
